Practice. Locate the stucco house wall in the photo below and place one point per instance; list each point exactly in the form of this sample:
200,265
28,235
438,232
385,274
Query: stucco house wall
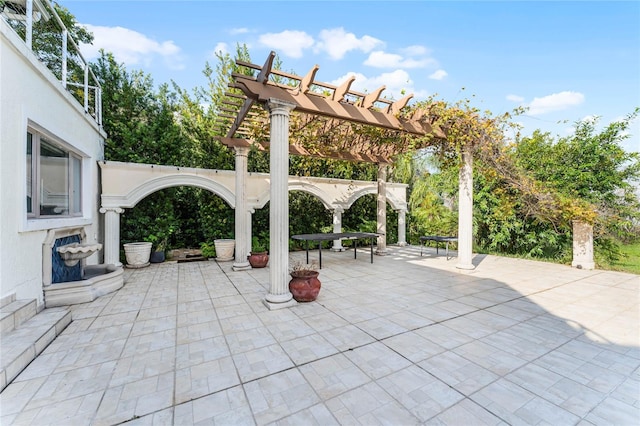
30,95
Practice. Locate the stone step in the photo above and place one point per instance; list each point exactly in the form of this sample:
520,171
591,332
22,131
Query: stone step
22,345
16,313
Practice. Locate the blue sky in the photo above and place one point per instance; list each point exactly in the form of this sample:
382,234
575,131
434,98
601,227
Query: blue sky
566,61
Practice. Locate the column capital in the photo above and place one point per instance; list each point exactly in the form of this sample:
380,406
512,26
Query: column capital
242,150
278,106
338,209
118,210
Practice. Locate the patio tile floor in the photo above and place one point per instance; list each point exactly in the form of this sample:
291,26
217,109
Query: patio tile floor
406,340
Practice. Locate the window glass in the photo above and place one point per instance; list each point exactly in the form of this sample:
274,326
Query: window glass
54,180
29,169
76,186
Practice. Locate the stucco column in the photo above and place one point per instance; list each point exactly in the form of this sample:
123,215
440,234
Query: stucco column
112,234
279,295
465,211
402,227
381,249
250,213
337,227
241,263
582,246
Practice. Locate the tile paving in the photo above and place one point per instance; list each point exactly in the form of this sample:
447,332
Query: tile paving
406,340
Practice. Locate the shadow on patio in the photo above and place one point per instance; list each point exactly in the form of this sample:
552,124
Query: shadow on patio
405,340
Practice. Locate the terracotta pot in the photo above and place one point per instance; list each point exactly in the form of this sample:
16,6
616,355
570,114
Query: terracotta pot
258,260
304,285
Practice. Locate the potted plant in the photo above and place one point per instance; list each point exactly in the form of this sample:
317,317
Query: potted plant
259,256
159,245
304,284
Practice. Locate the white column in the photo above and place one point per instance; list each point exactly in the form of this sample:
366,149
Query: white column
465,211
582,246
279,295
337,227
381,249
112,235
402,227
250,213
241,263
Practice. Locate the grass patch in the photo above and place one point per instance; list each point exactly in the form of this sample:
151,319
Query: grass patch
630,259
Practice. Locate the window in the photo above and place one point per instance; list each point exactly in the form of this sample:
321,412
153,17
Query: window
54,180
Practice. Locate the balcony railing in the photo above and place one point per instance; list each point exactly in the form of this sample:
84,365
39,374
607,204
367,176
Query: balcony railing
44,33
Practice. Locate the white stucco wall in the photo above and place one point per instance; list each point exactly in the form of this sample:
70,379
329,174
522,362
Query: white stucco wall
30,94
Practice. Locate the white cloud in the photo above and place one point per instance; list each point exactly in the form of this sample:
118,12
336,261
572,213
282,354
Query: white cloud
236,31
131,47
221,48
438,75
380,59
515,98
396,82
337,42
555,102
291,43
415,50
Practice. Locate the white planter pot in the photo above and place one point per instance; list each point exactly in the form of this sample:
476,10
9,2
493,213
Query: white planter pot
224,249
137,254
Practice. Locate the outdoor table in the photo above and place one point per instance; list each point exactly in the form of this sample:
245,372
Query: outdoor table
330,236
438,239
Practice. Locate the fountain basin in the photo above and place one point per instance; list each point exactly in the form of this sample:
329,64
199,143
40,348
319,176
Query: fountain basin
73,253
99,280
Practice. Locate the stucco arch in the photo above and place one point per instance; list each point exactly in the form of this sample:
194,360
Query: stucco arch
157,184
392,200
327,200
125,184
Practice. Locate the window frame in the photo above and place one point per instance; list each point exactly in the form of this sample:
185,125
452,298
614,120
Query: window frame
35,136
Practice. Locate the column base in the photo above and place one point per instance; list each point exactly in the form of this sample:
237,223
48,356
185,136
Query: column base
402,244
465,266
337,248
381,252
272,306
241,266
583,265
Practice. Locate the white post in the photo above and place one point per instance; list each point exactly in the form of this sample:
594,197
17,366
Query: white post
28,39
465,211
402,227
582,246
112,235
65,35
381,248
279,295
241,263
337,227
250,213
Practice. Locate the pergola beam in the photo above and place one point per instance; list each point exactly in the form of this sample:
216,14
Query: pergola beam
262,77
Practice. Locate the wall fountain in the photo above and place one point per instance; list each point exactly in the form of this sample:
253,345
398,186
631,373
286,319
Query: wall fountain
66,278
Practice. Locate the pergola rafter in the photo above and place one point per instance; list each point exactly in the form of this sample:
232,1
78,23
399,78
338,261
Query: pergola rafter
328,121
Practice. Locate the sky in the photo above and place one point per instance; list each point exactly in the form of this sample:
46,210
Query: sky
564,61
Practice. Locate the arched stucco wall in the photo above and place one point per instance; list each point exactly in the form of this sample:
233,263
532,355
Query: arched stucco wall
148,188
392,199
126,184
326,199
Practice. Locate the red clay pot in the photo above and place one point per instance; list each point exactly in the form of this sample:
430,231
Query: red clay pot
258,260
304,285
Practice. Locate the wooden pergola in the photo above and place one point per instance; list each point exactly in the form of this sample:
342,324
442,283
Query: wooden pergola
290,114
323,112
